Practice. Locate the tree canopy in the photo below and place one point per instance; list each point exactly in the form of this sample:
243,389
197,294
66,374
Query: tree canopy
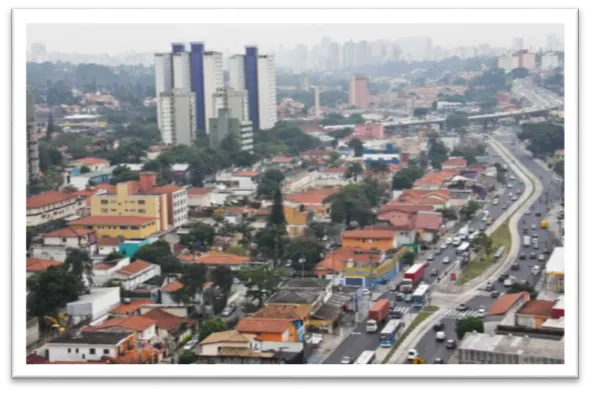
468,324
543,138
308,248
518,287
351,205
353,171
405,177
51,290
437,152
210,326
356,145
200,236
421,112
269,182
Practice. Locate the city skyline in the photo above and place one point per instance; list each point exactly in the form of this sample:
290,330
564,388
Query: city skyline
116,39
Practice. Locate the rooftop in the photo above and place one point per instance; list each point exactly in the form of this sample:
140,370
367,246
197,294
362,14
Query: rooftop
291,296
428,220
91,337
165,320
317,283
262,325
214,258
369,234
165,189
39,265
537,308
243,352
316,196
246,174
134,268
282,160
135,323
282,311
556,263
506,301
68,232
513,345
196,191
48,198
231,336
456,161
172,287
91,161
134,305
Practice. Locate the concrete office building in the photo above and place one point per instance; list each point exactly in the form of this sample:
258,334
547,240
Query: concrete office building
256,74
527,60
507,63
234,100
177,117
303,82
517,44
316,90
32,140
225,124
358,91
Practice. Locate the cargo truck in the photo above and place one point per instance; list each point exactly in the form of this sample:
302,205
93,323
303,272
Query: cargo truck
412,277
377,314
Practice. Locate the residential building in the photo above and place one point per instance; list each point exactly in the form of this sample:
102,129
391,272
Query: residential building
81,181
234,100
554,42
255,73
358,91
130,227
211,345
145,328
435,180
130,275
527,60
176,199
297,219
200,197
454,163
298,314
92,163
32,139
267,329
225,125
170,329
130,307
234,262
369,131
178,122
438,199
54,244
90,346
534,313
383,239
303,82
242,183
507,63
488,348
51,206
39,265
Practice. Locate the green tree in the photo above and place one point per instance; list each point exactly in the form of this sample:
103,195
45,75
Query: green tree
356,118
353,171
50,126
187,357
558,167
351,205
123,173
270,181
401,181
468,324
79,264
261,281
378,166
193,278
199,237
223,277
113,255
420,112
51,290
84,169
159,252
437,152
357,146
307,248
520,72
212,326
518,287
343,133
277,224
162,169
456,121
469,210
237,250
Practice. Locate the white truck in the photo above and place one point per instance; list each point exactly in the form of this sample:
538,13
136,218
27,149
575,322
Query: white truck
463,232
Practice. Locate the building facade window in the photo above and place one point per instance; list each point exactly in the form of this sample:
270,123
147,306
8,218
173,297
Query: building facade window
105,351
141,201
92,351
104,202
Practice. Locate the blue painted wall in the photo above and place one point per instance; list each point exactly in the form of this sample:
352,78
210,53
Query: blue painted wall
198,83
251,73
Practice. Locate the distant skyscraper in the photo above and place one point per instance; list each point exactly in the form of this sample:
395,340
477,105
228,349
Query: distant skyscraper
334,57
517,44
38,51
32,141
348,55
301,59
177,114
303,82
358,91
317,101
554,42
256,74
363,53
415,48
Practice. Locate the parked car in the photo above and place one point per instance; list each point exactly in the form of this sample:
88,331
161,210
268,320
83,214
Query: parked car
451,344
438,361
346,360
190,344
434,272
229,310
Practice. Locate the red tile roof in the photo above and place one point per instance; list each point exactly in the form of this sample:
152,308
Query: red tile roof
503,304
195,191
246,174
339,169
165,189
282,160
131,307
263,325
134,268
396,205
369,234
457,161
311,197
316,152
69,232
111,241
428,220
398,220
283,311
172,287
537,308
39,265
48,198
214,258
92,161
436,177
136,323
113,220
167,321
336,259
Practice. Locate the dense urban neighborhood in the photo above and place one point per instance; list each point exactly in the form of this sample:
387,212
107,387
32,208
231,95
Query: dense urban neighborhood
357,203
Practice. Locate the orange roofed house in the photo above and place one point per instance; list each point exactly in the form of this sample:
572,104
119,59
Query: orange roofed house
38,265
92,163
435,180
382,239
268,329
234,262
54,244
300,207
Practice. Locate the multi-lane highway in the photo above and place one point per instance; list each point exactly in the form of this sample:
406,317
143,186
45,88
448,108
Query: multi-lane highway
427,347
359,340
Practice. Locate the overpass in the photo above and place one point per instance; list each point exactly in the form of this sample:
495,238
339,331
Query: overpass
441,120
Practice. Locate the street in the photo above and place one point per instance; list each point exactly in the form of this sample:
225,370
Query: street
428,348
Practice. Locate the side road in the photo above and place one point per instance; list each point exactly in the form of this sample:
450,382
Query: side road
470,288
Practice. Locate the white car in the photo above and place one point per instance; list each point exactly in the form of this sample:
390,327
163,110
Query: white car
443,246
412,354
441,336
509,185
481,312
449,240
190,344
446,260
495,201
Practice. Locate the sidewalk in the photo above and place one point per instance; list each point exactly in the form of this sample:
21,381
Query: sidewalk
330,343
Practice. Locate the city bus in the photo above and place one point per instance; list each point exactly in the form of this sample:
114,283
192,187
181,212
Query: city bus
367,357
421,295
390,333
462,248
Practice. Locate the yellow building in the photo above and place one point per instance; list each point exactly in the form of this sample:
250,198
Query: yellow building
297,220
129,227
380,239
129,202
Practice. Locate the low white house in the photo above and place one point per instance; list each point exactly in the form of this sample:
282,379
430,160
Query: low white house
136,273
86,346
55,244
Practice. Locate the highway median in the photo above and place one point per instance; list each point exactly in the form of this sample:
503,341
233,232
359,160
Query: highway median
423,315
501,236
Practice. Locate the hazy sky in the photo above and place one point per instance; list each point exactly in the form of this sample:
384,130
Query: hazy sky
118,38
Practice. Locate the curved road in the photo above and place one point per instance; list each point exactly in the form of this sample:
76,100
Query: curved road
428,348
360,341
